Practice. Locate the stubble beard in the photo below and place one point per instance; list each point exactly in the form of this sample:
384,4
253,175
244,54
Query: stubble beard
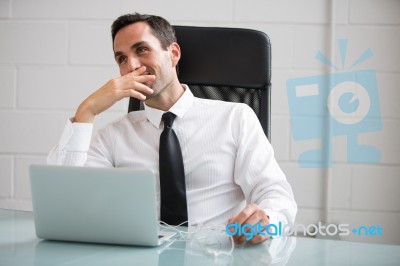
159,85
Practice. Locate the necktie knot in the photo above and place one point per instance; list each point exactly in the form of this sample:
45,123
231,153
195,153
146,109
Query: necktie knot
168,119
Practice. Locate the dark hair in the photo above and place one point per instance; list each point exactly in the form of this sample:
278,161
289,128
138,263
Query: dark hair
161,28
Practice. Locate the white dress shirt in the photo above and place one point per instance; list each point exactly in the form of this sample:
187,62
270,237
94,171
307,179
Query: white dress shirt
228,161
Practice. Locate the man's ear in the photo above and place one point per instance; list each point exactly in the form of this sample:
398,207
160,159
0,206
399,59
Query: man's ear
175,53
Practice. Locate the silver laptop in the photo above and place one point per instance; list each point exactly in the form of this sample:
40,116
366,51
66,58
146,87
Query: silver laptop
99,205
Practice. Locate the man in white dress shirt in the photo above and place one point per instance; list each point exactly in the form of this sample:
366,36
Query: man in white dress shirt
230,170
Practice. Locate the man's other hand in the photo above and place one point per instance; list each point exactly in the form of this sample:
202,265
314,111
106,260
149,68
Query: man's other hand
251,214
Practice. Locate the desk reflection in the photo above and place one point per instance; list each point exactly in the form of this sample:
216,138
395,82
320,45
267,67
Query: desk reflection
20,246
272,252
71,253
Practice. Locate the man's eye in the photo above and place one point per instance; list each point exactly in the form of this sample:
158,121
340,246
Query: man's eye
142,49
121,59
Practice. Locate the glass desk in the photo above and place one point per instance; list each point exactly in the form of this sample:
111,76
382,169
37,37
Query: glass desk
20,246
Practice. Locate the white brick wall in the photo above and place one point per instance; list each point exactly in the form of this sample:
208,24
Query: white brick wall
33,42
308,11
72,9
183,10
82,53
5,8
6,166
53,54
64,87
7,85
375,12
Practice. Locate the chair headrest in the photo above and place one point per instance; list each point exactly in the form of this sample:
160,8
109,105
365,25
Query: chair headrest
224,57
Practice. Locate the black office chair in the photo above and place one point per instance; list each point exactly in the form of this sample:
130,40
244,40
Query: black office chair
226,64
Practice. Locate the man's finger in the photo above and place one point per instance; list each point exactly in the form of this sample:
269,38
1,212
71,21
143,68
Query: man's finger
139,87
135,94
248,218
258,216
244,214
258,239
142,78
137,72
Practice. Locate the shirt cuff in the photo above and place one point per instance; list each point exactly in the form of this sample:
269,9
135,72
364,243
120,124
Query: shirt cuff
76,136
273,218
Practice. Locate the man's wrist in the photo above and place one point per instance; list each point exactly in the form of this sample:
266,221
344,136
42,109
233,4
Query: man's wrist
83,115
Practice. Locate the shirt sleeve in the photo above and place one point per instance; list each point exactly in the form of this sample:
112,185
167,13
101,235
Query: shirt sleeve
73,145
258,173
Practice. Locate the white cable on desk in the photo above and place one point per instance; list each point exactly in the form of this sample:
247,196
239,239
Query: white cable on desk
201,235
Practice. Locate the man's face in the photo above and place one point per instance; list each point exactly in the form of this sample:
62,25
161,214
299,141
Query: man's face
136,46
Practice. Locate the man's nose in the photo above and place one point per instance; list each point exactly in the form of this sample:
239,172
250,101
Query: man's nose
133,64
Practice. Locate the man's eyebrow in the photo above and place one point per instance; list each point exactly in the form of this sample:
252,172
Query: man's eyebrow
116,54
134,46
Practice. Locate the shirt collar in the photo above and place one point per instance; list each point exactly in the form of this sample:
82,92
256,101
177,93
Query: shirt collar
179,108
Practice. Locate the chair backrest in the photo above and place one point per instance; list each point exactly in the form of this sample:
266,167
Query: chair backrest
226,64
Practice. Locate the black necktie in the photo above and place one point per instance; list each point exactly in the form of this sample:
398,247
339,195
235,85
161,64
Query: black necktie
172,175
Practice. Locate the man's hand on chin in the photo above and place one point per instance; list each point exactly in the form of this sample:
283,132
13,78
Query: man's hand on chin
252,215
